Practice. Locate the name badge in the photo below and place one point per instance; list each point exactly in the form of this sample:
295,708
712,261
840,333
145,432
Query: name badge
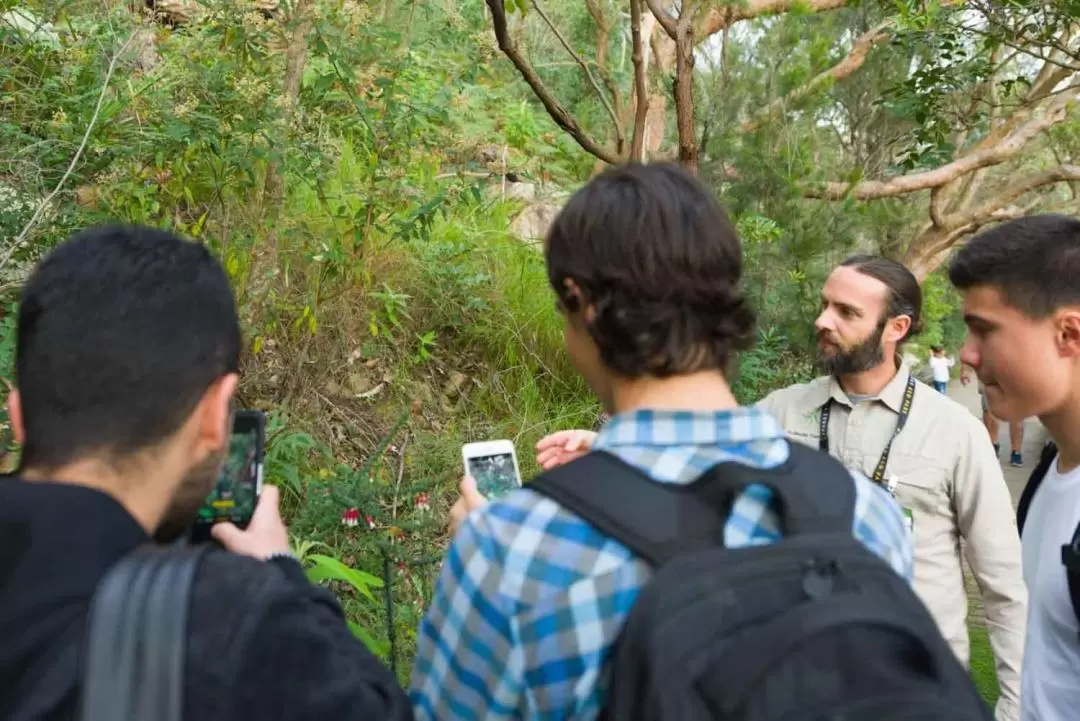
909,519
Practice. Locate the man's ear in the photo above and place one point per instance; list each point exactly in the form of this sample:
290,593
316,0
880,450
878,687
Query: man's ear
897,328
1068,332
215,413
14,409
576,302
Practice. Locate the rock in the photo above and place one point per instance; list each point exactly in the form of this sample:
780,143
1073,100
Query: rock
32,28
532,224
358,383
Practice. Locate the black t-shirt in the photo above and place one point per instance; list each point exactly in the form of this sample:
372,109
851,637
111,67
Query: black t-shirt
264,643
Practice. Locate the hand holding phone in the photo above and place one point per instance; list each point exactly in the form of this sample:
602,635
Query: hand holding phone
266,534
236,492
493,465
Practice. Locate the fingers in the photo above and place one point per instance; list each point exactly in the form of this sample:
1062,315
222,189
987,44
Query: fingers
548,458
267,510
226,534
470,494
558,438
458,512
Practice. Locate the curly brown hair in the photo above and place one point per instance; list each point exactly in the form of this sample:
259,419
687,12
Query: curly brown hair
654,254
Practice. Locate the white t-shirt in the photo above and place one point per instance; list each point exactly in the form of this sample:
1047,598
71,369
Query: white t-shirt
1050,682
940,366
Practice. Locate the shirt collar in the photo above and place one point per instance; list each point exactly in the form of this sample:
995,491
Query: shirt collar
688,428
892,395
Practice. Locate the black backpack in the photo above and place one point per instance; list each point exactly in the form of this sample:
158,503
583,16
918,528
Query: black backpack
1070,552
814,627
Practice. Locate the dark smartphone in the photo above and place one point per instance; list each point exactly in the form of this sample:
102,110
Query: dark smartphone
236,492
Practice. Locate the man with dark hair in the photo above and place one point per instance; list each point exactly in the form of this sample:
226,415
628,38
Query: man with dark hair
646,267
127,361
928,451
1022,309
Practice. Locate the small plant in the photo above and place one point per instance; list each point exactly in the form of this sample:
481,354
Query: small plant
394,307
425,344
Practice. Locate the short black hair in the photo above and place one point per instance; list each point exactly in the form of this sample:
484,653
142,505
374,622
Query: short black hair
121,330
658,259
1034,261
905,295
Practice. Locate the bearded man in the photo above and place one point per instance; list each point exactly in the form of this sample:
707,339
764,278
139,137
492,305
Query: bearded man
930,452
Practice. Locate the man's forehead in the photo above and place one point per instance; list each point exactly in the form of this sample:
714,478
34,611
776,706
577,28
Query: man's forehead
847,285
984,301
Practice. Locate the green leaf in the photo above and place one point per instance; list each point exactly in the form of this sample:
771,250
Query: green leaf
325,568
376,647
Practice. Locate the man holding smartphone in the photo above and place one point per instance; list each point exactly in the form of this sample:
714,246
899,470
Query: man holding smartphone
645,266
127,362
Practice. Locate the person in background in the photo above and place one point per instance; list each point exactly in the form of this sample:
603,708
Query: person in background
993,425
1021,304
126,362
940,368
646,269
871,413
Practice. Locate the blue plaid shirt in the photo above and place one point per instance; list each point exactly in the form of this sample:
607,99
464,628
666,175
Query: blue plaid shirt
531,598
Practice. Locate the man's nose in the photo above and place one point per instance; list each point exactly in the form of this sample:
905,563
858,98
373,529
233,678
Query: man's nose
969,353
824,322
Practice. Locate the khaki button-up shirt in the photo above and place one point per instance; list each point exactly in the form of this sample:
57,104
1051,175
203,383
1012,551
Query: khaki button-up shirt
948,476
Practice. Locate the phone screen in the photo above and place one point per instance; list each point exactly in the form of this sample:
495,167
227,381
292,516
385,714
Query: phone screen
494,475
234,495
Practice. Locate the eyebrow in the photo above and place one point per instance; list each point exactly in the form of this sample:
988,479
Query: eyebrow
843,306
971,319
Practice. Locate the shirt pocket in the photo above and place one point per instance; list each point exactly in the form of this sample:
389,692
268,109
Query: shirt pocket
921,485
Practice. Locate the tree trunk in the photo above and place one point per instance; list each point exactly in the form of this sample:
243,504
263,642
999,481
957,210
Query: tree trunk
684,89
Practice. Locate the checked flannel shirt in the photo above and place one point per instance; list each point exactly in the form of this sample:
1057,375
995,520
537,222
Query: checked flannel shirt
531,598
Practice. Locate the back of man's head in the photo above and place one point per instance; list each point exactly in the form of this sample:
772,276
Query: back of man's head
651,260
121,331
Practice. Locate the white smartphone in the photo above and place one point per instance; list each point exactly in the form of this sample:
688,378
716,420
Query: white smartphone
493,465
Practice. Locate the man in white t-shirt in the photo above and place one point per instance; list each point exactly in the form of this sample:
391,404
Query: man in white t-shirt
939,366
1022,309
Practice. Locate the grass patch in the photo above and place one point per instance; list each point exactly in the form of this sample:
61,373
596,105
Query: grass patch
982,662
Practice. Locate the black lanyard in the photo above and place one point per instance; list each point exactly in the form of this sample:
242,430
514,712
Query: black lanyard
905,411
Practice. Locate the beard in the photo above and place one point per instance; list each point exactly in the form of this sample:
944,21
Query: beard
864,355
189,497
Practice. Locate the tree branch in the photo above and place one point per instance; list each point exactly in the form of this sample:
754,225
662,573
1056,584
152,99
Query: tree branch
603,35
558,113
975,160
666,19
620,137
854,60
727,15
1018,189
641,105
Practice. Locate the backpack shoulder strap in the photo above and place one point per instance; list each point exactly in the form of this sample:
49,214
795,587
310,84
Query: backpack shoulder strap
812,491
657,521
1035,480
133,661
654,520
1070,558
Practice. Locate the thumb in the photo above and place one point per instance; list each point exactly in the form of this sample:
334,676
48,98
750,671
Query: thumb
226,534
267,509
470,493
